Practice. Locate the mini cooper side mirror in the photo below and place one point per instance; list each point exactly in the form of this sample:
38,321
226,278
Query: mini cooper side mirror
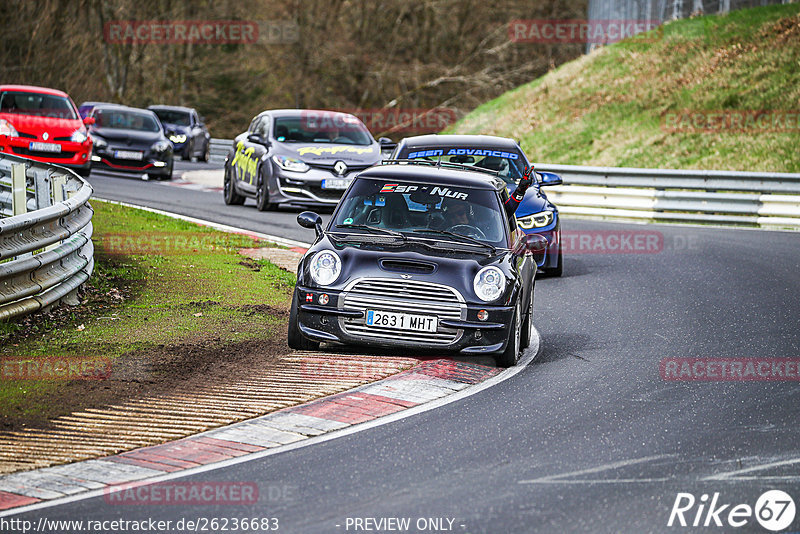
88,121
309,219
536,243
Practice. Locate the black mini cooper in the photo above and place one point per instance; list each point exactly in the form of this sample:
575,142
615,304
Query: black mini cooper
418,255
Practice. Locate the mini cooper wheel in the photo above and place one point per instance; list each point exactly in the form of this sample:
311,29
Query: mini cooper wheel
187,153
527,326
296,339
206,153
510,356
229,194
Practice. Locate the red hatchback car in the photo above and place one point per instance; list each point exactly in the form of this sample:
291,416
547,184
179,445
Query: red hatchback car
44,125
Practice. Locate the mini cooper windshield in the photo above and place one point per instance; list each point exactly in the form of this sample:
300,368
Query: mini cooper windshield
423,212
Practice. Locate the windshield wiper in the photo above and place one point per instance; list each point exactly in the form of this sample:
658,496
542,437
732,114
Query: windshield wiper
460,237
375,229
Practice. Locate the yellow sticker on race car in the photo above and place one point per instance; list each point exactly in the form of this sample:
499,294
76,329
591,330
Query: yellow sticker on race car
320,150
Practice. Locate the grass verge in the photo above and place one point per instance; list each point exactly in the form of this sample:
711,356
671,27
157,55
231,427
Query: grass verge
166,300
610,107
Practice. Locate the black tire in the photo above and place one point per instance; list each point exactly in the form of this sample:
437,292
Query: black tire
295,338
527,326
229,194
510,356
207,152
187,152
262,196
559,268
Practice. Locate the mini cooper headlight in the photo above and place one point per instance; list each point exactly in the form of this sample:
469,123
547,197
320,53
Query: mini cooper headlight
290,164
177,138
161,146
325,267
537,220
489,283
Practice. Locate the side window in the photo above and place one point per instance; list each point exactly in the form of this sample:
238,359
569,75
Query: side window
195,120
254,125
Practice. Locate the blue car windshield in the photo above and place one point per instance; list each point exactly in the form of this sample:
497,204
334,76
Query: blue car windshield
509,165
169,116
413,208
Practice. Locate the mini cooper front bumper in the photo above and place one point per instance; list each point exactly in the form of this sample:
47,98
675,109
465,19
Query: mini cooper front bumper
340,316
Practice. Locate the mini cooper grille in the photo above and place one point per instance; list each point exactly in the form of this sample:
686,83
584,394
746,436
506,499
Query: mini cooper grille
403,296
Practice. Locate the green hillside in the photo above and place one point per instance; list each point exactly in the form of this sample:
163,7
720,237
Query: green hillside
614,106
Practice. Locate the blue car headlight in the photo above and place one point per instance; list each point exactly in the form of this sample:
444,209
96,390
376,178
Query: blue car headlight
537,220
325,267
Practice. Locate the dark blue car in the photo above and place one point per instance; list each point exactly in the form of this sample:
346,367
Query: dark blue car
186,130
535,215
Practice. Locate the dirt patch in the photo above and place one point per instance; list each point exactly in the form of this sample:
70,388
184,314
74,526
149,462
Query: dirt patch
200,363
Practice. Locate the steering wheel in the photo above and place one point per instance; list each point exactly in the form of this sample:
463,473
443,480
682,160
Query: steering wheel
468,230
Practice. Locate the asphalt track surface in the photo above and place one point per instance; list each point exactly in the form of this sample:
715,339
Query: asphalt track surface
589,437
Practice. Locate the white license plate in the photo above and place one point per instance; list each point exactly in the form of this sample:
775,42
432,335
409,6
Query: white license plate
128,154
402,321
336,183
44,147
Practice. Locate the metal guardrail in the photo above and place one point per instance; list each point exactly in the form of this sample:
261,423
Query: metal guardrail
45,254
219,149
767,200
757,199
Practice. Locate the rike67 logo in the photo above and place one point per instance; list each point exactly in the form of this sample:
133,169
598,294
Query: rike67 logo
774,510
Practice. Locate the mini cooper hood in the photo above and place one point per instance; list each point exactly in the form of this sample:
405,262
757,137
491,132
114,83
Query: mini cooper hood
456,269
328,154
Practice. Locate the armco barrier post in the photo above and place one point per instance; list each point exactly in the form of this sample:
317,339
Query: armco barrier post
18,195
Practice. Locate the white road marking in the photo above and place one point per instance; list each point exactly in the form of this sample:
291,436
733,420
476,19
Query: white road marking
734,475
217,226
558,479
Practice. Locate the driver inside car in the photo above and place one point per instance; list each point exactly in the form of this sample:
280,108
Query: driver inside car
457,212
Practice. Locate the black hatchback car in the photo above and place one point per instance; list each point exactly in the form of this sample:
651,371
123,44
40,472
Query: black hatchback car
422,256
298,157
130,140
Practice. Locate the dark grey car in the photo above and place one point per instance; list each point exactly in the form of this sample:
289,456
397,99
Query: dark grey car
298,158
